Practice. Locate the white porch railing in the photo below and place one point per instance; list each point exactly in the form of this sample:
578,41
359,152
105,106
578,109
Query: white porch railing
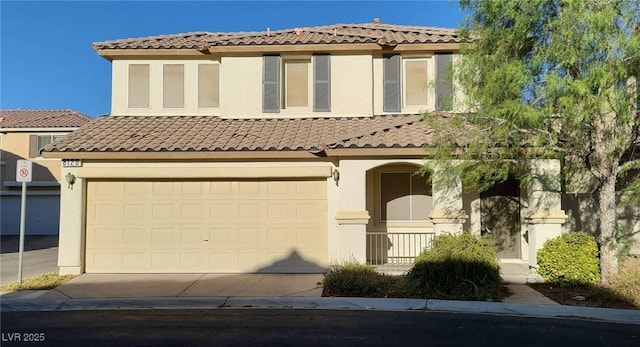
397,247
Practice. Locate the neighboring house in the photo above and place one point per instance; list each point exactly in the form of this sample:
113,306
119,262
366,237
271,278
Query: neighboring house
23,133
278,151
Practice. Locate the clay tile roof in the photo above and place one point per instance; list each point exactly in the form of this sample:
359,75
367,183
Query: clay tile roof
337,33
214,134
42,119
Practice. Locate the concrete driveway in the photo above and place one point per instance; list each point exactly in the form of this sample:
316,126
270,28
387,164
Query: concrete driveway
187,285
40,255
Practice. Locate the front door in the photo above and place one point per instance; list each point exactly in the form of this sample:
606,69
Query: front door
500,217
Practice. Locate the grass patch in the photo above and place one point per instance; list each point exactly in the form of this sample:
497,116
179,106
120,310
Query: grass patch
43,281
627,282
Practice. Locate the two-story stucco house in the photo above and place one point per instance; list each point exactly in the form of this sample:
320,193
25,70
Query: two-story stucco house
23,133
277,151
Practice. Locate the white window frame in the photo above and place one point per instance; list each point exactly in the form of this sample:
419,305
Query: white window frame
52,137
285,70
379,197
197,68
427,61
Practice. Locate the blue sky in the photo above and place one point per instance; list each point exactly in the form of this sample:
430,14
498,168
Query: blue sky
46,59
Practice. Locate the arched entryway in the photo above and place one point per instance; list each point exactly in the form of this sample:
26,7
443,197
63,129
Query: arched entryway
400,202
500,218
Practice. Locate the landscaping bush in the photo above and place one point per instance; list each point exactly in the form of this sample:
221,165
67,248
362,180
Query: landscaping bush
460,267
354,279
570,259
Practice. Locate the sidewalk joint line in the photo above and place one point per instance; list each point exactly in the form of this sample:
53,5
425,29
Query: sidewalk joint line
190,285
225,302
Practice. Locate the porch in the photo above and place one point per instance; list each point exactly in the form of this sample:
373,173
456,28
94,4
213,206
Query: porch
387,214
394,254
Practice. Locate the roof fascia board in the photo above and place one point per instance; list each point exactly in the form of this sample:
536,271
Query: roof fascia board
436,47
296,48
205,172
181,155
133,52
36,130
374,152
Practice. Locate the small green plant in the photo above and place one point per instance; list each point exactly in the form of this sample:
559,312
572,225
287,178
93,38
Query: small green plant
570,259
43,281
354,279
461,267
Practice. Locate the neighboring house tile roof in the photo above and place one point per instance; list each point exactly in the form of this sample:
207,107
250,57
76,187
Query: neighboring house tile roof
384,34
42,119
214,134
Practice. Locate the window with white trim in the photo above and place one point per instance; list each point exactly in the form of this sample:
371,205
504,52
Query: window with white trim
415,86
173,86
138,86
286,82
208,85
38,142
404,197
296,83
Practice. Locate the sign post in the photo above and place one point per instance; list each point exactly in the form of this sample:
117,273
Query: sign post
23,174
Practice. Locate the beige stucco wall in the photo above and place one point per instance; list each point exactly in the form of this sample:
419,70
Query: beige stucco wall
356,86
15,146
241,88
582,212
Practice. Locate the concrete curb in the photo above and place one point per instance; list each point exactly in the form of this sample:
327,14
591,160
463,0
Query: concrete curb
337,303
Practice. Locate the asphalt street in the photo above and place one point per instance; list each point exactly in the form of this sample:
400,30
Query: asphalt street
265,327
40,255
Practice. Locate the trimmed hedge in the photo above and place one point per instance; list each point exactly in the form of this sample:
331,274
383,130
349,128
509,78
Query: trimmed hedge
461,267
570,259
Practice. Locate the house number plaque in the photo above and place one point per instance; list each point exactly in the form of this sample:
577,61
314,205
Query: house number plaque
71,163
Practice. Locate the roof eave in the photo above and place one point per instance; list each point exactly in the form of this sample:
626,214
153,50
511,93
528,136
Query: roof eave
39,129
114,53
111,54
179,155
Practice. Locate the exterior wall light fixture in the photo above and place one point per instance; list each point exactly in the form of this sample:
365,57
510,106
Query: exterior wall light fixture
71,179
336,175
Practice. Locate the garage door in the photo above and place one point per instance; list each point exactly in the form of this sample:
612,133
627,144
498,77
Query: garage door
206,226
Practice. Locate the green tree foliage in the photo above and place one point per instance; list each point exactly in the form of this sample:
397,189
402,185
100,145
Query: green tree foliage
548,79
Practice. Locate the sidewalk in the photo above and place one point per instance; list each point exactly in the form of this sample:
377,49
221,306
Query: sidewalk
418,305
207,291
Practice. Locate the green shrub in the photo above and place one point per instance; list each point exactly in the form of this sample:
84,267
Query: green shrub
570,259
354,279
461,267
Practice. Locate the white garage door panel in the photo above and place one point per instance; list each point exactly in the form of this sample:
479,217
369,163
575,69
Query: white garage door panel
240,226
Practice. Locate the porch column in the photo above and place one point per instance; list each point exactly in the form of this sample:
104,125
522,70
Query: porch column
70,251
448,215
545,215
352,215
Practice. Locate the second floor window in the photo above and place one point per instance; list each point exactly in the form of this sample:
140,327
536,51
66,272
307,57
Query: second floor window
173,85
415,81
294,90
208,85
296,83
37,143
138,86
